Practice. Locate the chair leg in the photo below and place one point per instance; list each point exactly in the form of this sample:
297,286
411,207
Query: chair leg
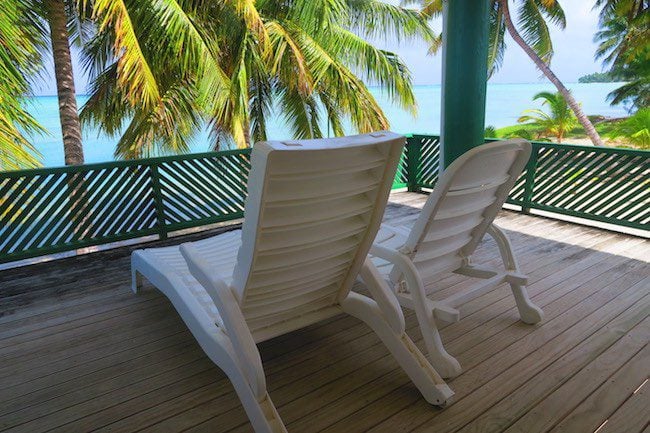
432,387
529,312
445,364
261,413
136,280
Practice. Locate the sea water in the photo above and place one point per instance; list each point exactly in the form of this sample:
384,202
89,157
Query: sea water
505,103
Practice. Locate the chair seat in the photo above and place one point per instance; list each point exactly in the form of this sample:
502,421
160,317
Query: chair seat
187,294
220,250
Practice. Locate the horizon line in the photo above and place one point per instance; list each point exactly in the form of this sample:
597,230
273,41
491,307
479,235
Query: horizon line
376,86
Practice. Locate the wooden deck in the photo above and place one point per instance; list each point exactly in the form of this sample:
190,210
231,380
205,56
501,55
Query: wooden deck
79,352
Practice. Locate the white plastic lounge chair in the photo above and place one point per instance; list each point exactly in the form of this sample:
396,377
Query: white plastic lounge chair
456,216
313,210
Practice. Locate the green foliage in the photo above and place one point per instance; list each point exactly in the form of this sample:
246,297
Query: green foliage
559,119
623,45
18,52
532,17
597,77
490,132
635,128
165,66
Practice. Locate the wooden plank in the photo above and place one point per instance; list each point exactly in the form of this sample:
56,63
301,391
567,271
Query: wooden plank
198,372
91,374
46,349
597,408
18,373
633,415
88,317
478,353
553,392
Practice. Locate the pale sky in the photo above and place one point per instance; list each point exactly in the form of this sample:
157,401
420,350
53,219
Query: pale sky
574,54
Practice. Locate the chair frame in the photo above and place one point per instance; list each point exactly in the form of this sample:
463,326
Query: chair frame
411,291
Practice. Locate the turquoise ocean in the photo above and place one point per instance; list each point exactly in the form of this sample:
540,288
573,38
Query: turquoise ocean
505,103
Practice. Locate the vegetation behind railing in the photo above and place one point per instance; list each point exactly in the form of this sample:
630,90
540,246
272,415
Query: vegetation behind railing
52,210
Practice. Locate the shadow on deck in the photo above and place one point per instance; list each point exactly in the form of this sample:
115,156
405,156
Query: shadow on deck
80,352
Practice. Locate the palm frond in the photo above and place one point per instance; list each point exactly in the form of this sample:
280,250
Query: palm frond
18,50
165,129
374,19
134,73
497,44
377,66
301,114
534,29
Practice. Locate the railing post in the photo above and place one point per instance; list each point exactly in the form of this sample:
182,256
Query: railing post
413,156
158,201
529,182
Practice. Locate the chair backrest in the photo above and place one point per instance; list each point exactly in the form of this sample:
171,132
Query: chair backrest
465,201
313,210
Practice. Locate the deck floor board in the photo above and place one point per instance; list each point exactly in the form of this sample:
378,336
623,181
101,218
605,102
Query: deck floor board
79,352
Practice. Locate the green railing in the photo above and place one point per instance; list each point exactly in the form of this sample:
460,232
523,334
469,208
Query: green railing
52,210
603,184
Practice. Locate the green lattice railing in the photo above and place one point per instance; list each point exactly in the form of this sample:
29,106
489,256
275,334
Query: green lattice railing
603,184
46,211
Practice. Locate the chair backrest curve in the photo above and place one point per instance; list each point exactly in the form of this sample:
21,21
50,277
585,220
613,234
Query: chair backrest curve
465,201
313,210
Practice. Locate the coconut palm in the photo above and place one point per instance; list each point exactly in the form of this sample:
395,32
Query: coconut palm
167,66
534,38
61,17
624,32
18,51
557,122
58,23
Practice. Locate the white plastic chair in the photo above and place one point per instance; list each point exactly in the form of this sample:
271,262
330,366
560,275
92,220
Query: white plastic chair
458,213
313,210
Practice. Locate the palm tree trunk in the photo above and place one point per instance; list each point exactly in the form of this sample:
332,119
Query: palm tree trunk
247,133
542,66
70,125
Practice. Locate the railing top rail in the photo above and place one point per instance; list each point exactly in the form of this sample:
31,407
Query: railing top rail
162,159
621,150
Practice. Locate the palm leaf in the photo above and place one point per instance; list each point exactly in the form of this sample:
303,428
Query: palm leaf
134,73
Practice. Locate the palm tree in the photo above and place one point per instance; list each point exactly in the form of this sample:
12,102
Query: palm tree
534,39
170,65
624,32
557,122
60,16
18,51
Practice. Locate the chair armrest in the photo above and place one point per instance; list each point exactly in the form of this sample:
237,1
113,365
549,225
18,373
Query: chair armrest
383,296
505,247
415,284
401,261
231,315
